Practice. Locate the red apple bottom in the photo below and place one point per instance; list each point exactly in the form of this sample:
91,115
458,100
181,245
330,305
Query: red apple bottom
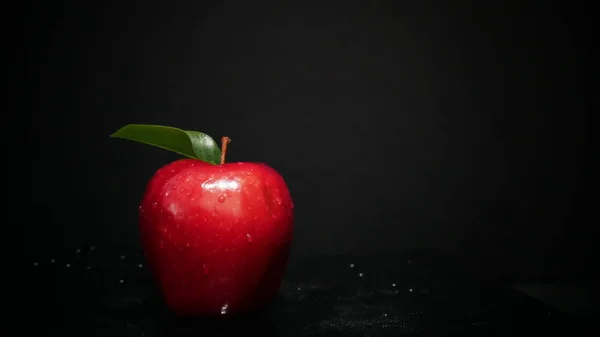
224,287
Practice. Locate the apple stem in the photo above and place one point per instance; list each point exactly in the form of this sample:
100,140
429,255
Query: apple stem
224,142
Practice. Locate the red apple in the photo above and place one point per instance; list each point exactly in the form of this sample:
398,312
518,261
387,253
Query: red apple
217,236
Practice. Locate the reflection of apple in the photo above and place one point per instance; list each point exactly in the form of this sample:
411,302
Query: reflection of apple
217,237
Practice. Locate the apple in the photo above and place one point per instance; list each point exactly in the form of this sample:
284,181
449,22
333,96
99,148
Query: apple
216,235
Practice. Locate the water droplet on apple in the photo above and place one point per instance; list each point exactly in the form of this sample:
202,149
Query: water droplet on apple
173,187
248,173
278,201
154,204
162,244
221,198
205,268
181,190
224,309
249,237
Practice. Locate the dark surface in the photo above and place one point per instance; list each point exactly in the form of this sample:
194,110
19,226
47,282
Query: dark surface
105,294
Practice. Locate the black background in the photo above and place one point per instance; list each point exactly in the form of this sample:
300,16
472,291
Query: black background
453,125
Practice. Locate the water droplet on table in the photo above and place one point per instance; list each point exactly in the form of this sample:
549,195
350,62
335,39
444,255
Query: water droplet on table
121,281
122,257
35,264
92,248
360,274
52,260
140,265
351,265
77,251
68,265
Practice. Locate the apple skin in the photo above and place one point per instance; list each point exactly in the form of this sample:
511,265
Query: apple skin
216,237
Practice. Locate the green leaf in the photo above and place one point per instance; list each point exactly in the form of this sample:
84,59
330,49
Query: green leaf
192,144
